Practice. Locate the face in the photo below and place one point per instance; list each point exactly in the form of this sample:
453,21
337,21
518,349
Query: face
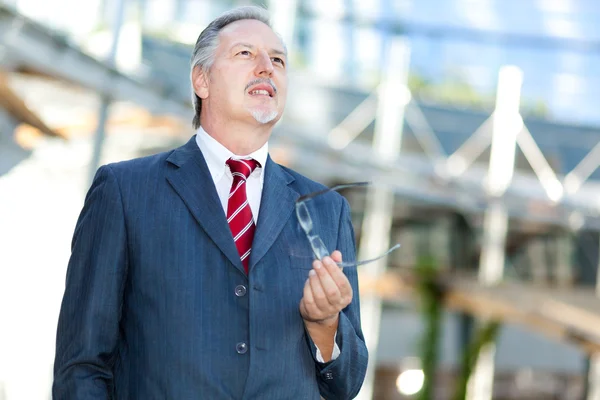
248,79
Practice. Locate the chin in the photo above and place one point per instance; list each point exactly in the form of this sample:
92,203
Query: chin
265,116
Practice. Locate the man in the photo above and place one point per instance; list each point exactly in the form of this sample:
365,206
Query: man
190,276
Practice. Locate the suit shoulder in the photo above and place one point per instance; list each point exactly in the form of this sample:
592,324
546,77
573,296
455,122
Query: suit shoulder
302,180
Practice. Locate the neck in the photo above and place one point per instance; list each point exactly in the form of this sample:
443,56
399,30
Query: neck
239,138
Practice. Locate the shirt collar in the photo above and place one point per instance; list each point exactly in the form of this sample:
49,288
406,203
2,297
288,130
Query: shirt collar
216,155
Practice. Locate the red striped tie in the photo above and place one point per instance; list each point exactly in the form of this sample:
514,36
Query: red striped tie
239,214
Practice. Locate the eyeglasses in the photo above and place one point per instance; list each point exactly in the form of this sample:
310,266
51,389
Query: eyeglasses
316,244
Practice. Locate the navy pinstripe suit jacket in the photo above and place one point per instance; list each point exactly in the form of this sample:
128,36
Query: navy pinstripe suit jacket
157,305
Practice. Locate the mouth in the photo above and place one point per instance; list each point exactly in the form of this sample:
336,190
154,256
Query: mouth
259,93
262,90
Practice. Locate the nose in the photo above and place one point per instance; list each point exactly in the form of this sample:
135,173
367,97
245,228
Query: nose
264,65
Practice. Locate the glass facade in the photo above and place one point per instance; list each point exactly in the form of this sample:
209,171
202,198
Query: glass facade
555,43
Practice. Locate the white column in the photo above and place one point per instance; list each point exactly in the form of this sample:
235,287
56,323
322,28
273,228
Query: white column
128,57
507,124
375,234
594,378
594,360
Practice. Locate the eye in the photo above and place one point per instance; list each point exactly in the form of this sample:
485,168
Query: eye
245,53
278,61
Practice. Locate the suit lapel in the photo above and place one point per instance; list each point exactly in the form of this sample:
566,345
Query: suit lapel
276,205
192,181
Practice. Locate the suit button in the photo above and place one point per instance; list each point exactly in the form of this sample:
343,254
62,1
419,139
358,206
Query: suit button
241,348
240,290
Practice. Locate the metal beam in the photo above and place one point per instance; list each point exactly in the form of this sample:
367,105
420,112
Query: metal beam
541,166
19,110
412,177
38,48
355,123
473,147
424,133
586,167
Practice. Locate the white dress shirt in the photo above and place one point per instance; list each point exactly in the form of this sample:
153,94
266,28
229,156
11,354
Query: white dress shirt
216,155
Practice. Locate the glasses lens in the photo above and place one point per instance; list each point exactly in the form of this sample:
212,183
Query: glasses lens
318,247
304,217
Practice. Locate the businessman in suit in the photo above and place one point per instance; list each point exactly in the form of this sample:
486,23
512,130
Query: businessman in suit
190,276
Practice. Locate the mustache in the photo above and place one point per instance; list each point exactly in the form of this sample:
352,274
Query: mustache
259,81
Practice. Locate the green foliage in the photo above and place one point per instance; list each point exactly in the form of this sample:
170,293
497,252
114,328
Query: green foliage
455,92
431,305
455,89
418,83
485,335
431,293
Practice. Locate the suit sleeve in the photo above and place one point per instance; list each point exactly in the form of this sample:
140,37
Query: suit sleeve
88,325
343,377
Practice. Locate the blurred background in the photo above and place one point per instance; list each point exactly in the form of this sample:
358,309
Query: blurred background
477,121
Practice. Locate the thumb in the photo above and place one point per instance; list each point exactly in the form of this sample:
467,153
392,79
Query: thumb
336,256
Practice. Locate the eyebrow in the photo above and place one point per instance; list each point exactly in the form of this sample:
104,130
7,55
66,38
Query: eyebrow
248,45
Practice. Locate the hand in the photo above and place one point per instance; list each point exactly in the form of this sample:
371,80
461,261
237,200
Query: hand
327,291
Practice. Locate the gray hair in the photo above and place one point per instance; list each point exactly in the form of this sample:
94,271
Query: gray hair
208,41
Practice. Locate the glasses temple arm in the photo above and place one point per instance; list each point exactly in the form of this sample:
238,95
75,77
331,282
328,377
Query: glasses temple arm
338,187
356,264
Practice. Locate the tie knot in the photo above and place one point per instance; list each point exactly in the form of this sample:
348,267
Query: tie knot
242,168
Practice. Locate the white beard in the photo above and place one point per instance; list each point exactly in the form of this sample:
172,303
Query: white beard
264,116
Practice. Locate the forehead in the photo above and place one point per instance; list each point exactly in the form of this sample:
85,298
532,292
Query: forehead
250,31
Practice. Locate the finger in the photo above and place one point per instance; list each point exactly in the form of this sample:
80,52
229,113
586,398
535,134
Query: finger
318,293
337,256
328,284
308,300
338,275
336,272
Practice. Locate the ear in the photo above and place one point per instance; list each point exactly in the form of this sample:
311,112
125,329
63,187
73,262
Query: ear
200,82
